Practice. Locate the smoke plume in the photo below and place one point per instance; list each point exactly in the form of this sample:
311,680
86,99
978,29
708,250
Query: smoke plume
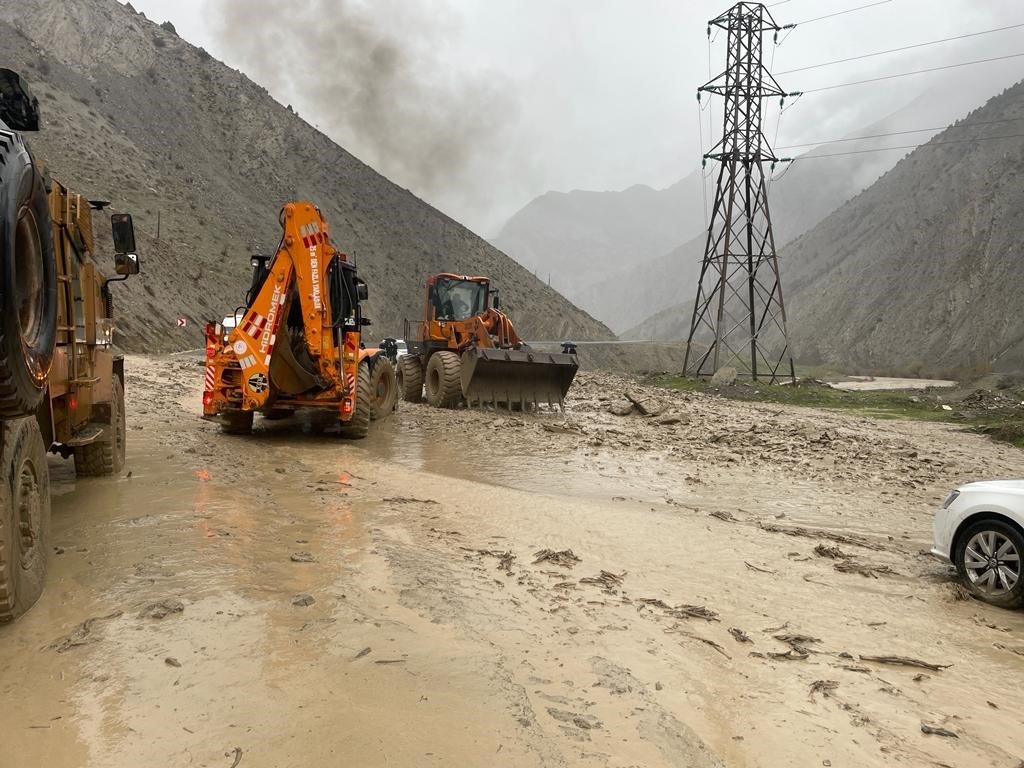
373,77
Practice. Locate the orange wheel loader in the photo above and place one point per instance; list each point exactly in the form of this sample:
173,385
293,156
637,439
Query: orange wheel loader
466,349
297,343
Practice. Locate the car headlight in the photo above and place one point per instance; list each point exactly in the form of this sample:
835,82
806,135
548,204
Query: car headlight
950,499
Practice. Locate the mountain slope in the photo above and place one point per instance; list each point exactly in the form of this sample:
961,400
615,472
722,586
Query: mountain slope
924,267
921,271
550,235
134,114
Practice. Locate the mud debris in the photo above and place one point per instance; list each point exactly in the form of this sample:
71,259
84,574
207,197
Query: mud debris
162,609
565,558
362,653
868,571
407,500
905,661
237,753
605,579
796,530
302,557
938,731
798,643
740,635
824,687
833,552
81,634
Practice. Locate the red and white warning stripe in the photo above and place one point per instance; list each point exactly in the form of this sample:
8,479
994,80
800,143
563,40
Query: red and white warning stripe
253,326
209,378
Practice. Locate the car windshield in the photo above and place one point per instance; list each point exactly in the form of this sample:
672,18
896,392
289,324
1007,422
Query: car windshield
459,299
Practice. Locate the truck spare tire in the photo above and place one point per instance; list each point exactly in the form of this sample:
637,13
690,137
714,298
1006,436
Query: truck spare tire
28,280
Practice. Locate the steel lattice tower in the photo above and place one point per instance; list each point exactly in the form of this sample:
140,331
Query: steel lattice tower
739,298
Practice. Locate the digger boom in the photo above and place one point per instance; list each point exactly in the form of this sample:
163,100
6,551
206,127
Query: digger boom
298,342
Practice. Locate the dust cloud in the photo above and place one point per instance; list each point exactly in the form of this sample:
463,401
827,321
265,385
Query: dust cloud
376,80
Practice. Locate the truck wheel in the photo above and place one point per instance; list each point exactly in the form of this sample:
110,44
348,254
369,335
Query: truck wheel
28,280
236,422
24,516
410,378
106,456
358,426
384,389
444,385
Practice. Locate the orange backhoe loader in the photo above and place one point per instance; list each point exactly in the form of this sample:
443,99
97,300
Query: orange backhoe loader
466,348
297,343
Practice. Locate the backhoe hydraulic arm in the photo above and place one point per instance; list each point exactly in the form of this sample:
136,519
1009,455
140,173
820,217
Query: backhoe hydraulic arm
296,283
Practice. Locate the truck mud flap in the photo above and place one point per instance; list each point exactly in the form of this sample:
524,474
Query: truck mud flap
513,377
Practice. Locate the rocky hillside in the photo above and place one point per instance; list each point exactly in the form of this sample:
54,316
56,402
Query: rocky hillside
205,157
921,271
658,235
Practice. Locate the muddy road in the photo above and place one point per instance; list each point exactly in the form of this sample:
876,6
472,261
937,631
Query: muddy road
292,600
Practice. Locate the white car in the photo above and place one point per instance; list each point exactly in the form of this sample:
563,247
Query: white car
980,529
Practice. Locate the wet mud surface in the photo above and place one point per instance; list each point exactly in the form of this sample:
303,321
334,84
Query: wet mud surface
722,584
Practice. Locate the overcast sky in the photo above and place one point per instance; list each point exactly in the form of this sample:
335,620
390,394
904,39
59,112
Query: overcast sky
480,105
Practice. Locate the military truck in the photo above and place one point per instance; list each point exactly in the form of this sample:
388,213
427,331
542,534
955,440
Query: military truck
61,381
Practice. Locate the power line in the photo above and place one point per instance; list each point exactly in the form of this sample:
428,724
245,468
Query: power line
838,13
915,72
900,133
897,50
904,146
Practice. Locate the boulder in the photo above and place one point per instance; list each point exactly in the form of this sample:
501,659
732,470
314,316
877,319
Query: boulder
724,377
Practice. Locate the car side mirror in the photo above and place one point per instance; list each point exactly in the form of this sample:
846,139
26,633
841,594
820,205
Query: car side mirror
362,291
495,300
124,233
126,264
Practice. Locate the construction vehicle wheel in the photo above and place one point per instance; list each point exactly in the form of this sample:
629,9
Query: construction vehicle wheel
384,389
410,378
236,422
444,383
358,426
28,281
106,456
24,516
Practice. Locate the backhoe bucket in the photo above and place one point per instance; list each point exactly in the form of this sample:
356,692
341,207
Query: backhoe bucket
516,376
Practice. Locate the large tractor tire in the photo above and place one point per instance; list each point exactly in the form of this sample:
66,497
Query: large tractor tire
410,378
24,516
236,422
444,382
384,389
106,456
28,280
358,426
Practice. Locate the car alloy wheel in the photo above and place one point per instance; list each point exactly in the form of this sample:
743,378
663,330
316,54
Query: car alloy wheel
992,562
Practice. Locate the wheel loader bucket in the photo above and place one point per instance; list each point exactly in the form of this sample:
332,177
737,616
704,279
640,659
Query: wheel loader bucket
516,376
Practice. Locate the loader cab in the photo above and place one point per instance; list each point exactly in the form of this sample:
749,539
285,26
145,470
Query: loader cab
455,299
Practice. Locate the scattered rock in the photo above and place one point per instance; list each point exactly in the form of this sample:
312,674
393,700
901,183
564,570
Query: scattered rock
303,600
740,635
170,661
302,557
620,409
647,406
724,377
